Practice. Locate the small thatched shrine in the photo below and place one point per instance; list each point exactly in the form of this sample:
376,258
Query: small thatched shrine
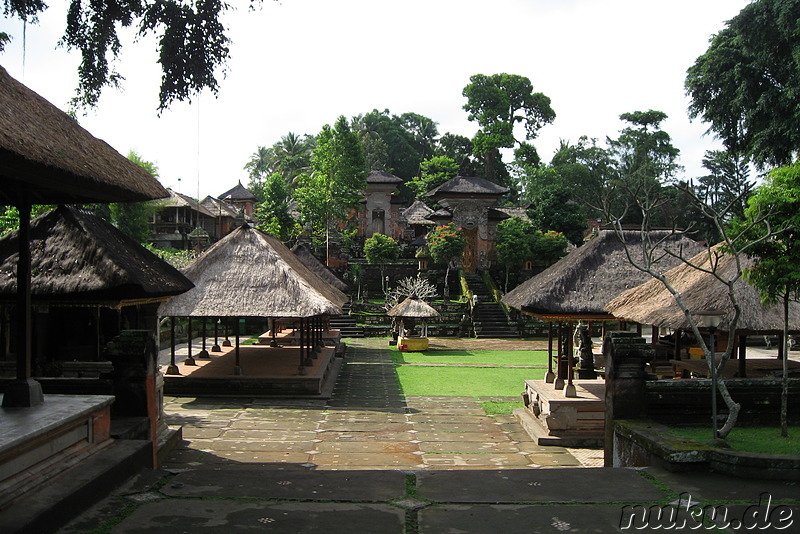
413,308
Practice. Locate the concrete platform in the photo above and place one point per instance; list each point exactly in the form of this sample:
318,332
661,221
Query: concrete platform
552,418
265,371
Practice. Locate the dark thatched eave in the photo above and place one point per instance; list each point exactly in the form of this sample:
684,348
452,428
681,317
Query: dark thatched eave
79,258
413,307
179,200
383,177
320,269
467,186
581,283
46,154
239,192
252,274
418,214
651,303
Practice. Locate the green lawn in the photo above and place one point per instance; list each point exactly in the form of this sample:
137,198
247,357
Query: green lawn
465,381
473,357
749,439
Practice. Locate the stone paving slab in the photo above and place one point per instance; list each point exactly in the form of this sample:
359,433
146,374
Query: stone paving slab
480,437
365,426
375,460
225,517
266,483
333,435
255,424
715,486
537,485
484,428
467,447
435,419
266,457
486,461
387,447
273,435
252,445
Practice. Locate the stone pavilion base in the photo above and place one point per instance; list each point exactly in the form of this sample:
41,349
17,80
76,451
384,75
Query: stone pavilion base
265,371
553,419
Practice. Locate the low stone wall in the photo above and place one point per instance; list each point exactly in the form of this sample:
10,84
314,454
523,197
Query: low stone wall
647,443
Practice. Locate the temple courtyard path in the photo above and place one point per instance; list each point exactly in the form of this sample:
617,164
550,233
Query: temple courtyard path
368,424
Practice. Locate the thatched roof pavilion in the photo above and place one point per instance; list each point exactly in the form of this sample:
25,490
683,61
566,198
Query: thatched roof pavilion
46,153
413,307
47,158
80,258
580,284
252,274
418,213
320,269
651,303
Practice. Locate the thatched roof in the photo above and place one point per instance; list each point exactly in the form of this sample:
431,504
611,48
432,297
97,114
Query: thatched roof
417,213
320,269
515,211
581,283
413,307
46,153
383,177
467,186
78,257
252,274
239,192
179,200
651,303
218,207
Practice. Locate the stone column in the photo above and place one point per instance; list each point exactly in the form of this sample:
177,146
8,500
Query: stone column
626,355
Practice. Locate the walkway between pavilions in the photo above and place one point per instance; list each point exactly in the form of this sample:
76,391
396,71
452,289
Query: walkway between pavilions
351,465
368,423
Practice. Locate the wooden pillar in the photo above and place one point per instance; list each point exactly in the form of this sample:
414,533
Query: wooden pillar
558,383
24,391
216,347
653,335
302,369
550,377
569,389
742,350
203,352
189,359
172,369
677,343
227,342
237,368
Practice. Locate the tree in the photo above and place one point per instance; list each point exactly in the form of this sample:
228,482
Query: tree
746,84
433,172
776,273
133,218
258,167
728,182
381,249
497,103
460,149
513,244
273,212
446,244
191,40
337,183
553,208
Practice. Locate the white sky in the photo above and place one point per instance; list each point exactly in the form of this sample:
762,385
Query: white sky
299,64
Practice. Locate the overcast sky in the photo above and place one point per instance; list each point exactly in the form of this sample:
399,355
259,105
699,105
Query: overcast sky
299,64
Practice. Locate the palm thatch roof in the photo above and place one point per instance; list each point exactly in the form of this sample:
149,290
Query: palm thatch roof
45,153
179,200
651,303
413,307
417,214
581,283
218,208
238,192
383,177
320,269
467,186
252,274
78,257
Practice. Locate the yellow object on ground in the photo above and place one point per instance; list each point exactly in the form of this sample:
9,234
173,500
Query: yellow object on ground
696,353
412,344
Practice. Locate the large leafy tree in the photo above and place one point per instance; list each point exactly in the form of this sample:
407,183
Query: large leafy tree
776,272
381,249
192,43
747,84
553,208
446,244
433,173
273,211
337,182
133,218
513,244
498,103
460,149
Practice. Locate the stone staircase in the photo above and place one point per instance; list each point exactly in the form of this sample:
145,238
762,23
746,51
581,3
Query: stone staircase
347,324
489,317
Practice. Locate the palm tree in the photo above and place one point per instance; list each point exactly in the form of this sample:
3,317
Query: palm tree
292,155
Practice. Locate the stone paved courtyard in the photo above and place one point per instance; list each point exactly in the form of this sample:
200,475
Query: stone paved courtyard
367,424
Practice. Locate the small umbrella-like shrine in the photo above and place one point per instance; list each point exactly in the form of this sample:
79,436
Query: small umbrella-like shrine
410,309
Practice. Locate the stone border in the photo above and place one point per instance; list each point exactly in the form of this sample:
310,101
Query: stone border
644,443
